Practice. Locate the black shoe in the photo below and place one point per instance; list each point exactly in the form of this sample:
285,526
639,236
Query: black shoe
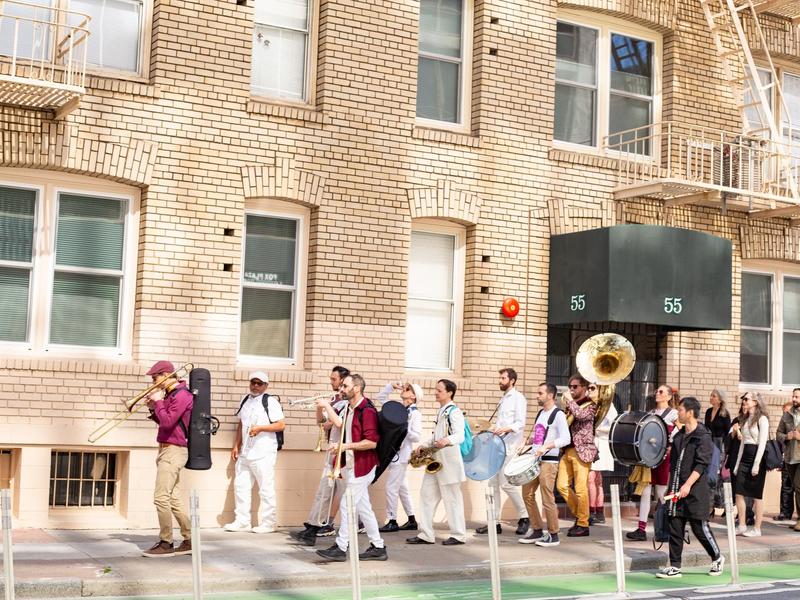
390,527
523,525
333,554
782,518
298,535
599,517
410,525
578,531
637,535
417,540
591,519
361,528
485,529
373,553
451,541
307,537
326,530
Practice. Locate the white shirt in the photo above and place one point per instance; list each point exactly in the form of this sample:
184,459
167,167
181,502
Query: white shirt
253,413
558,433
456,424
512,412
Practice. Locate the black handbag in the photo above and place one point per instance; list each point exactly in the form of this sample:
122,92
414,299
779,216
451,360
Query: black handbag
773,455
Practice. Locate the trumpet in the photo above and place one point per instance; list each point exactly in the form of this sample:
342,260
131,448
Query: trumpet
134,404
309,402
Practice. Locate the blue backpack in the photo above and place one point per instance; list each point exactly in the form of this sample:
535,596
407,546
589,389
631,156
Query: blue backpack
466,445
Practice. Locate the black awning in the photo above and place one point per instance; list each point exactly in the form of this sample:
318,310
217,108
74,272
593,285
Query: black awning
676,278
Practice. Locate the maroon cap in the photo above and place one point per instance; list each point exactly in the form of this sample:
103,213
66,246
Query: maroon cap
162,366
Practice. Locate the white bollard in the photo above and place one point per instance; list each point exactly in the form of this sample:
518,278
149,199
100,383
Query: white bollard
8,558
494,558
352,534
733,559
197,573
619,556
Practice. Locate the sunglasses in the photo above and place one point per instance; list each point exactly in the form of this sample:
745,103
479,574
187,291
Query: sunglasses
573,386
592,387
256,382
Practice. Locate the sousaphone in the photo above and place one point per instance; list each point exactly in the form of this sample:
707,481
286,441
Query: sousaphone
605,359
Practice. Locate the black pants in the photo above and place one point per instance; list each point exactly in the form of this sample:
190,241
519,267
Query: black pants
790,490
700,529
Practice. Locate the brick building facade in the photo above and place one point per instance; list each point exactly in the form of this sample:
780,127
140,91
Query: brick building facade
407,182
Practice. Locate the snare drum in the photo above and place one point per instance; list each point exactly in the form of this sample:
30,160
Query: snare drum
638,438
486,457
523,469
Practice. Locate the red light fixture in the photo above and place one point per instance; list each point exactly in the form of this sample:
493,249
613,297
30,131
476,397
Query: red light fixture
510,307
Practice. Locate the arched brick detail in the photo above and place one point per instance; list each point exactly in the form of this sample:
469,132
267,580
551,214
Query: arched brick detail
58,147
445,202
761,242
652,13
283,180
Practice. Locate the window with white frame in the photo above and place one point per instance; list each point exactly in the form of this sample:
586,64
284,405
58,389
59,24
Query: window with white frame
282,44
273,274
443,70
119,37
67,268
607,83
770,328
435,296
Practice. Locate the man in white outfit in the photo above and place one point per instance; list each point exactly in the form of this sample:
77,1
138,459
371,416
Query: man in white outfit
511,414
445,485
255,451
396,486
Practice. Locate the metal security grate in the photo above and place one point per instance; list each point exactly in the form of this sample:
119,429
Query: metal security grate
82,478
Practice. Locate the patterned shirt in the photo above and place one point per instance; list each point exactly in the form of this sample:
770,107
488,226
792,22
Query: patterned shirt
582,428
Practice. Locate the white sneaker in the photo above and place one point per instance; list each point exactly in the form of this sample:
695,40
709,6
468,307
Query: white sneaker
717,566
236,526
264,529
741,530
752,532
669,573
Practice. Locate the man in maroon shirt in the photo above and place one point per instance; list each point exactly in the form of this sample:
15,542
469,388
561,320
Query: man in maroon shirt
172,413
359,460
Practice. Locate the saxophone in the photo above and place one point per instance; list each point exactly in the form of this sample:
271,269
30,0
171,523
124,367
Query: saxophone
423,457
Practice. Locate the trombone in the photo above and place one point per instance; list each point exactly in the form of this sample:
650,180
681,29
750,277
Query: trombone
134,404
311,401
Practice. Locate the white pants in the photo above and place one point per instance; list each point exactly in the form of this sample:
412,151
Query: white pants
396,486
360,487
514,492
644,501
430,495
263,470
323,500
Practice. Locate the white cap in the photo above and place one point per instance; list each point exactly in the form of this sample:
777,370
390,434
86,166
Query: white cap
418,393
260,375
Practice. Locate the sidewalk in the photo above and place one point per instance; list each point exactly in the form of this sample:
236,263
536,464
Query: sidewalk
61,563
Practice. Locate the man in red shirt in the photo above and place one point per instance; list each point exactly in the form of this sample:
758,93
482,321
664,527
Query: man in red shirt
173,414
359,461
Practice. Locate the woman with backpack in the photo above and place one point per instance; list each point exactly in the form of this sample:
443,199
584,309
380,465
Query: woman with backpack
749,470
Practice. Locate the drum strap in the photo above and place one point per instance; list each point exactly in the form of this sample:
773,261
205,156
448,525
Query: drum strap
550,420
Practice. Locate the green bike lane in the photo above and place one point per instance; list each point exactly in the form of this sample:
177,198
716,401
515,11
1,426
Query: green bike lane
520,588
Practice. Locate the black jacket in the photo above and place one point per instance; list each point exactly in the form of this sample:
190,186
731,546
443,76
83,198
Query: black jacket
691,453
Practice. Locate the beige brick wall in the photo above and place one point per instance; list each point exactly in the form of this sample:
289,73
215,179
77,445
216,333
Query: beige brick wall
198,146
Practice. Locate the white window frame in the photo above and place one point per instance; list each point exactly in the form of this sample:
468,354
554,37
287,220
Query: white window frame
48,186
309,86
442,227
270,207
779,272
464,124
605,26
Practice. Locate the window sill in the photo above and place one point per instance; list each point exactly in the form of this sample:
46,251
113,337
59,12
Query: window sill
446,137
588,159
71,364
287,111
135,86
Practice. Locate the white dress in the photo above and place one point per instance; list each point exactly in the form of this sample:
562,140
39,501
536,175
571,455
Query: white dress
604,462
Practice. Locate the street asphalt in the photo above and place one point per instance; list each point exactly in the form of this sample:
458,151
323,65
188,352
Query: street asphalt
73,563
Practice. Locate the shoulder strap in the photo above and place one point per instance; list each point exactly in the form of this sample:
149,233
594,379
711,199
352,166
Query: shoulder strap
241,404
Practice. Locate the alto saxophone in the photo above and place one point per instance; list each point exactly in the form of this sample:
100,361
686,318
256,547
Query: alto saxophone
423,457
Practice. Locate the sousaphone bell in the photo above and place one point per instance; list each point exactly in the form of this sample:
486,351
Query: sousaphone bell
605,359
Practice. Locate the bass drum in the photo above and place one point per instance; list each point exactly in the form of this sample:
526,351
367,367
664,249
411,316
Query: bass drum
486,458
638,438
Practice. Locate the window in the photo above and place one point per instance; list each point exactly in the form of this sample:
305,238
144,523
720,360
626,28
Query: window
67,267
82,478
272,274
282,49
119,32
443,70
770,331
435,292
607,84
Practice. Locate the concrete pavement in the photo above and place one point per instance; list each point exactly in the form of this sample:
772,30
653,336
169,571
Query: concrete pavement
70,563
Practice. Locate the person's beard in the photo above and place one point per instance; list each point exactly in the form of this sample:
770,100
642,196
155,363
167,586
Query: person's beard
540,401
504,387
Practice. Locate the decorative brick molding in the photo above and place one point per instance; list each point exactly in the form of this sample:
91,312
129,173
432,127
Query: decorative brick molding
782,36
283,180
764,242
122,86
295,113
650,12
568,217
445,202
572,158
57,146
446,137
